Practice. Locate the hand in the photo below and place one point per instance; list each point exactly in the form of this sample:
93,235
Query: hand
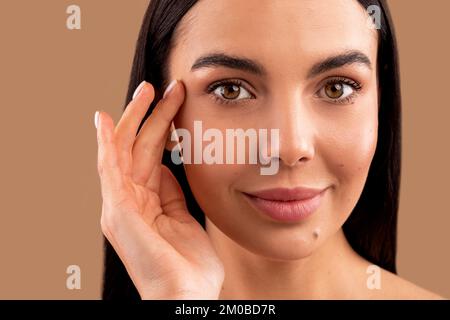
166,252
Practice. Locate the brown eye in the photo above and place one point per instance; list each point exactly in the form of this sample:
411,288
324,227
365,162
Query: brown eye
334,90
339,90
230,91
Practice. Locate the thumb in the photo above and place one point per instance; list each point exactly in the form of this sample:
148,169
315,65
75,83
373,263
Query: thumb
172,198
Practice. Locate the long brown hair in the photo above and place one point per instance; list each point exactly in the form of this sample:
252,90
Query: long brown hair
371,228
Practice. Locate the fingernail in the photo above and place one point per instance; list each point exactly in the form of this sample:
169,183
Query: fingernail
169,88
138,89
96,119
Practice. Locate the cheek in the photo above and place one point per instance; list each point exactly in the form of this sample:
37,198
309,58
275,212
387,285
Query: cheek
348,154
211,184
351,152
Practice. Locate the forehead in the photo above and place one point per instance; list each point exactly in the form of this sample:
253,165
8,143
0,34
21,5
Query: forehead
282,32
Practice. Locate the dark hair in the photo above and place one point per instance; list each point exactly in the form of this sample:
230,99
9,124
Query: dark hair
372,226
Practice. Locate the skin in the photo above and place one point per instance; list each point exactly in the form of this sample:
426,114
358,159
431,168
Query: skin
323,144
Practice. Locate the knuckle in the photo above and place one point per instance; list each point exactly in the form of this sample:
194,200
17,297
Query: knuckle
165,116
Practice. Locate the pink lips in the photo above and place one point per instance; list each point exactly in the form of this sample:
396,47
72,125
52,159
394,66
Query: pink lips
287,204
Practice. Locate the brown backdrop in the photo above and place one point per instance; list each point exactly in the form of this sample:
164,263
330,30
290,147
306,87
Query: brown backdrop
52,81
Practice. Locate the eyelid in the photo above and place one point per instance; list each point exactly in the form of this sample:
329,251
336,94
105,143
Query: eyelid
229,81
337,79
236,81
355,85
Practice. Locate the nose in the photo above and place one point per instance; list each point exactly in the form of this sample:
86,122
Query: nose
295,121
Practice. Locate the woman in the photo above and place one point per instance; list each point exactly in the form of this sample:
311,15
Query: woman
323,226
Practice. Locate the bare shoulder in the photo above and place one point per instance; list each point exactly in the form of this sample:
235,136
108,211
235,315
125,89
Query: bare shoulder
396,287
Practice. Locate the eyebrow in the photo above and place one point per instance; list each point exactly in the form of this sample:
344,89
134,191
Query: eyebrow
245,64
340,60
228,61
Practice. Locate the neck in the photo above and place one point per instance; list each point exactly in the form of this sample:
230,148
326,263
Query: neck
328,273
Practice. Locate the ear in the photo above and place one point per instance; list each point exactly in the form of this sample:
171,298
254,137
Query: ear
170,144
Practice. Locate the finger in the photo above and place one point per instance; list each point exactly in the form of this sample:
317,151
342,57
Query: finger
149,145
128,233
172,198
126,129
107,160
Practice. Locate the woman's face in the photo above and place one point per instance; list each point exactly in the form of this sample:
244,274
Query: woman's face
326,113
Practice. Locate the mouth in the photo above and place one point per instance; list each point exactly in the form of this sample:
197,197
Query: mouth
286,205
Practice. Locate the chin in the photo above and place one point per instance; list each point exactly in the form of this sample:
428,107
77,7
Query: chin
288,250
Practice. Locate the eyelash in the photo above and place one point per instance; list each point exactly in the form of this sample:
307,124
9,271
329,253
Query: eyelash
356,86
225,83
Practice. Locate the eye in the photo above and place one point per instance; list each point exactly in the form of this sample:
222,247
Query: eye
340,90
229,91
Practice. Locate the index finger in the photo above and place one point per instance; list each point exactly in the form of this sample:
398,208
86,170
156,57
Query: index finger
150,142
126,129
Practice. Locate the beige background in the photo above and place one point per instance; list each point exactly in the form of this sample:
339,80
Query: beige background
53,80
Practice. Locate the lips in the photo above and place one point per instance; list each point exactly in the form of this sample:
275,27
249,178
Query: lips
284,194
288,205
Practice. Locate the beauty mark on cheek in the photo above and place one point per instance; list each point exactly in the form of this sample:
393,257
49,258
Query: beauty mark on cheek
316,234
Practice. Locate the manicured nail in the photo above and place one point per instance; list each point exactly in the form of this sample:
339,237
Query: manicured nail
169,88
138,89
96,119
